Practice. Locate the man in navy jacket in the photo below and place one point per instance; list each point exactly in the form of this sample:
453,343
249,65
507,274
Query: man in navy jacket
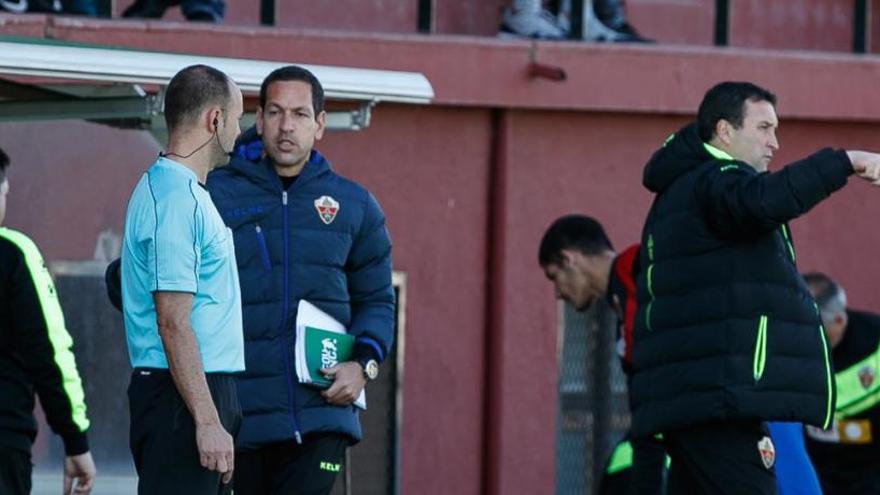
301,232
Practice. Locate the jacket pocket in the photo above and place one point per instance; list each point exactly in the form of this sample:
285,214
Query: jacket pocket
759,354
264,250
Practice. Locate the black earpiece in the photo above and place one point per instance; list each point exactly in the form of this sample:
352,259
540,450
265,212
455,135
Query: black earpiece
213,136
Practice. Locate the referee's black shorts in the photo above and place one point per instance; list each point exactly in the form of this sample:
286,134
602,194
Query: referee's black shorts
722,458
163,434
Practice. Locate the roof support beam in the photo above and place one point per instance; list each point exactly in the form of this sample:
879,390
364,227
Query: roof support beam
105,85
100,64
120,108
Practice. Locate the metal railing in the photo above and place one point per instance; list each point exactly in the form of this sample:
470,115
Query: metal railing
592,407
426,8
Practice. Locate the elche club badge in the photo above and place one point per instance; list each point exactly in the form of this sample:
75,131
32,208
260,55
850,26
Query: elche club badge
767,451
866,377
327,209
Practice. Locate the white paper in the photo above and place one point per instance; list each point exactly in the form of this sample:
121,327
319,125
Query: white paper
308,315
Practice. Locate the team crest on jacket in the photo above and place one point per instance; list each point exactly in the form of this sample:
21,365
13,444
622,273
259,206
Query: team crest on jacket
866,376
767,451
327,209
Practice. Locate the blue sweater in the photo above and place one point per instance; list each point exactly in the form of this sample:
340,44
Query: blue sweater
293,245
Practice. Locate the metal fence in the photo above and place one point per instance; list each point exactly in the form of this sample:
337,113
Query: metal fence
592,411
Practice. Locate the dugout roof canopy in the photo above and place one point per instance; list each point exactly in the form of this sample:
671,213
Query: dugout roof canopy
51,80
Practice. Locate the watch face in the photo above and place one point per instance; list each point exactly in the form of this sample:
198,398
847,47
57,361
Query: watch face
371,370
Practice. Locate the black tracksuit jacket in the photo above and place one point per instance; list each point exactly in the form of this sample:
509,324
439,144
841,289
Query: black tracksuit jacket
726,329
35,352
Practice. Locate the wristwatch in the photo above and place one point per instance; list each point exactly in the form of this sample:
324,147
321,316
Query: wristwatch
371,369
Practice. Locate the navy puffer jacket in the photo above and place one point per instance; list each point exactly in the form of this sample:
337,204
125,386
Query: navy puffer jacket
293,245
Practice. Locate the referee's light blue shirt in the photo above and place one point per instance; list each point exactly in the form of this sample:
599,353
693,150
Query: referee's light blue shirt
175,241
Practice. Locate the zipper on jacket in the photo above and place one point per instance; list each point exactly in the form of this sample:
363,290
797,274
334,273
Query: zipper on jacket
788,243
759,356
286,304
829,406
264,250
650,276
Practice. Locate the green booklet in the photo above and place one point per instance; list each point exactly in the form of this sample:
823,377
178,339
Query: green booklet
321,342
321,349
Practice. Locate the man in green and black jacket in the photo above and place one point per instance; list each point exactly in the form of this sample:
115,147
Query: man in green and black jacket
847,456
35,357
726,334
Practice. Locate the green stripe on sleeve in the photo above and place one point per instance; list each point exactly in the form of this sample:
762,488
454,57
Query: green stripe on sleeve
54,319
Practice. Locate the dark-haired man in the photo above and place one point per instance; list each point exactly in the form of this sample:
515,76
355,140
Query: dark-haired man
181,299
847,455
35,356
726,333
301,232
578,258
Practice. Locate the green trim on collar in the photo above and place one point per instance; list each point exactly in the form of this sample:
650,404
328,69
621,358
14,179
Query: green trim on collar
716,153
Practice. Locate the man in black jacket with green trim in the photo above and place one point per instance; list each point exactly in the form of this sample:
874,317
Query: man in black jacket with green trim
727,335
35,356
847,456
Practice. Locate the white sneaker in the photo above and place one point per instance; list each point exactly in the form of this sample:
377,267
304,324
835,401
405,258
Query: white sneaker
593,28
17,6
529,24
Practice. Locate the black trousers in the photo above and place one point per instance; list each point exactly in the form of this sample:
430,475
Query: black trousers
286,468
721,458
15,471
163,433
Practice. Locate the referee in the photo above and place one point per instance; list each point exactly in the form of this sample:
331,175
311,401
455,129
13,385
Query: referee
181,298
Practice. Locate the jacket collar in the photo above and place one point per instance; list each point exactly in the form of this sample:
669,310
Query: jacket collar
263,173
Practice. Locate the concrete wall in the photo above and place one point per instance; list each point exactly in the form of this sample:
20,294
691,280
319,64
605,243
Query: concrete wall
794,24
